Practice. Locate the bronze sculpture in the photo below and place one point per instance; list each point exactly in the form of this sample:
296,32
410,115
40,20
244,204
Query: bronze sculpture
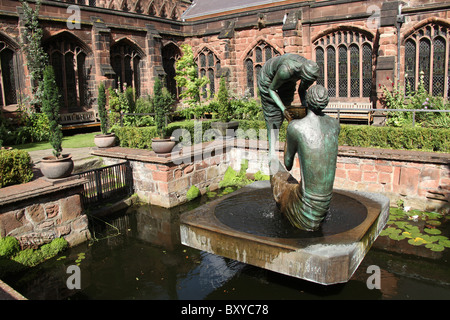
315,139
277,82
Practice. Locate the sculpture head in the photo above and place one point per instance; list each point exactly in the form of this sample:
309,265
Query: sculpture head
308,71
317,98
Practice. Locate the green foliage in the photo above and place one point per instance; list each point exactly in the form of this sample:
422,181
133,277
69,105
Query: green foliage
259,176
15,167
404,225
193,193
31,39
409,138
33,127
187,77
418,99
233,178
50,106
20,260
224,104
162,103
9,246
141,137
101,100
121,102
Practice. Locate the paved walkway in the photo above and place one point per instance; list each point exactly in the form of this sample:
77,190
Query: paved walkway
82,158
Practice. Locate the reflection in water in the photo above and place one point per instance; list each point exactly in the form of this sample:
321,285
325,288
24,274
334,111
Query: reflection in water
147,261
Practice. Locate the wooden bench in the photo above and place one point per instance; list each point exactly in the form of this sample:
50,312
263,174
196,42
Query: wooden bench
79,120
350,110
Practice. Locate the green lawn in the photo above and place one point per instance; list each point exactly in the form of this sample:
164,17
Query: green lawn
76,141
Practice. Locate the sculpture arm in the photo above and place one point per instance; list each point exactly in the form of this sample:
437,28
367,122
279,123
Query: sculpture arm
302,88
290,150
281,77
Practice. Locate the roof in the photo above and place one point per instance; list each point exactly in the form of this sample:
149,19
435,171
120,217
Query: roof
201,8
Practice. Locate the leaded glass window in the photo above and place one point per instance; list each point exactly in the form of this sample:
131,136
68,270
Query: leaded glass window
367,70
208,65
253,63
320,62
250,77
125,61
331,71
8,94
424,62
438,67
426,58
354,71
410,64
68,59
343,74
345,61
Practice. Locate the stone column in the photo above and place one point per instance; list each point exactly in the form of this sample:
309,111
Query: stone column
154,61
101,39
385,72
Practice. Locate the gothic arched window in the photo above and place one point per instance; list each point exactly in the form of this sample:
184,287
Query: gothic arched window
8,68
208,65
253,63
426,55
345,61
125,60
68,57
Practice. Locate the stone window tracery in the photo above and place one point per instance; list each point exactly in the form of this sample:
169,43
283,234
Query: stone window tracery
427,59
253,63
208,65
68,59
125,61
8,72
345,61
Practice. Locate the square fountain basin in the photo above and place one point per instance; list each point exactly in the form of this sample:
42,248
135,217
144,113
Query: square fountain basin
325,259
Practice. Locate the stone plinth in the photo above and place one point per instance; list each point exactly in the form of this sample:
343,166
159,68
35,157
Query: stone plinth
164,180
41,210
263,239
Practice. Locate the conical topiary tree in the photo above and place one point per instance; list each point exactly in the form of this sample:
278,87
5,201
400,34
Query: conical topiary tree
101,100
51,106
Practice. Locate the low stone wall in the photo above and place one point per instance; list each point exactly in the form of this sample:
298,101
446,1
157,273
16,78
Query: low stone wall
165,180
420,179
39,211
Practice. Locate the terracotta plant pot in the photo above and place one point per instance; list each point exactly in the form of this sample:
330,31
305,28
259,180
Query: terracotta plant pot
56,168
160,145
223,127
105,140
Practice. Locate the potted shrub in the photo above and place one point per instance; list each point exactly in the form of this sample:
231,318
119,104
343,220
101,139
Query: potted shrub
161,102
225,126
59,165
105,139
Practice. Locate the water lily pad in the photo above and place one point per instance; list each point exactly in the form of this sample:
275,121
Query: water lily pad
397,237
432,231
445,243
433,222
416,241
435,247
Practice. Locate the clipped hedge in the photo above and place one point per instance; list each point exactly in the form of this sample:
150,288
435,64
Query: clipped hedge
141,137
15,167
407,138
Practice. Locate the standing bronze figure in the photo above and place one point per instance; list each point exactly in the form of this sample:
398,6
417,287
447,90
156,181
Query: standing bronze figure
277,82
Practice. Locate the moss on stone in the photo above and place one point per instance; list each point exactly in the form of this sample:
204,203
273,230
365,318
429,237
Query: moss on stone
8,246
22,259
193,193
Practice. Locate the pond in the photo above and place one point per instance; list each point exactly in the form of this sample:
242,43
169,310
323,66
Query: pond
137,254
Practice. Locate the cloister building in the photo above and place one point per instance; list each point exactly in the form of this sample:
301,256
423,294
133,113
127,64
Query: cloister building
359,45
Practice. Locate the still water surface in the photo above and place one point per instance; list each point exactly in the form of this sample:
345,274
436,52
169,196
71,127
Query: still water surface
138,255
